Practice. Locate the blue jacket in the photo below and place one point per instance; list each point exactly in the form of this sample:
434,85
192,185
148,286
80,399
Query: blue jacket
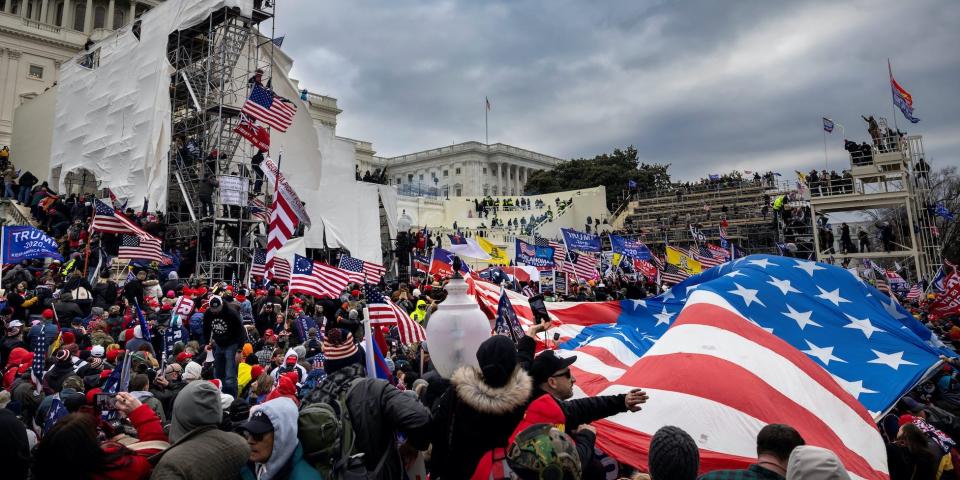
296,468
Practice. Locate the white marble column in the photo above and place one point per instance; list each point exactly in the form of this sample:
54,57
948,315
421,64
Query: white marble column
88,17
7,5
45,11
23,8
12,69
109,23
133,11
67,20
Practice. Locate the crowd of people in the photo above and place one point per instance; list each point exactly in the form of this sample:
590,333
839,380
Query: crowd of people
219,381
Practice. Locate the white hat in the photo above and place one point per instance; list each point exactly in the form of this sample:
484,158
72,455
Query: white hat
14,323
97,351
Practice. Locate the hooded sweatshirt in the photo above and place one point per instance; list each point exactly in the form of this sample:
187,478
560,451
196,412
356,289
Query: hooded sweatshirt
197,405
285,368
282,413
814,463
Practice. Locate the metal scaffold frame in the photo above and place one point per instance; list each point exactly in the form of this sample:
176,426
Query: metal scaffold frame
213,63
888,179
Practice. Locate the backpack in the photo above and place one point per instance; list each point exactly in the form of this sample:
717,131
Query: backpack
326,434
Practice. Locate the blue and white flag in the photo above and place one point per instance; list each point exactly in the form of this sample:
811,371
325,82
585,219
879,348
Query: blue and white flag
629,247
507,323
580,241
24,242
57,411
827,125
533,255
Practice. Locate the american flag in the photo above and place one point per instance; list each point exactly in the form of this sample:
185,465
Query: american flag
259,210
283,222
361,271
707,259
281,267
786,341
385,312
269,108
39,357
317,279
670,273
914,292
880,274
582,265
107,220
140,248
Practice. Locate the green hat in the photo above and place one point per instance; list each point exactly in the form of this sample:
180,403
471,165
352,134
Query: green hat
544,452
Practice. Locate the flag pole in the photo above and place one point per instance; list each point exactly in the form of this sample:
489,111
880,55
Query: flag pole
486,119
826,161
368,344
893,97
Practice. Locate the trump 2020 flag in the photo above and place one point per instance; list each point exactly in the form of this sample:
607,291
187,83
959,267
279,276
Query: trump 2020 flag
580,241
24,242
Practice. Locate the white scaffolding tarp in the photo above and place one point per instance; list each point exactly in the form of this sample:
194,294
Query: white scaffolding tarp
114,120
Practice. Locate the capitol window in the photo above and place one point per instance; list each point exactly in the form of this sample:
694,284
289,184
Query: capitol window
446,173
457,172
35,72
484,170
398,180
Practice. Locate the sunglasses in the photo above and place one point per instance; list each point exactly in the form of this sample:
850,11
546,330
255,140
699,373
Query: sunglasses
565,373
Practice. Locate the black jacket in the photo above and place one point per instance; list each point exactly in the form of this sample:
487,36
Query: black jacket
133,290
67,311
225,326
104,294
378,411
473,418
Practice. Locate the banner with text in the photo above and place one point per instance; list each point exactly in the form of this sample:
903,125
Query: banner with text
629,247
580,241
533,255
24,242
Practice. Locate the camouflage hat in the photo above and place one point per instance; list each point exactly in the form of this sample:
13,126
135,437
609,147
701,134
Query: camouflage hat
544,452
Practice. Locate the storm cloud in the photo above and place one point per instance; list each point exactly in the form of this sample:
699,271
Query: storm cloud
703,85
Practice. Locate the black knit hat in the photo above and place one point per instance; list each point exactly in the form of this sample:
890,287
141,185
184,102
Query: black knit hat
673,455
497,357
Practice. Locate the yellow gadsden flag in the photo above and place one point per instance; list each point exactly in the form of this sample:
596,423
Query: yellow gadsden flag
684,261
498,256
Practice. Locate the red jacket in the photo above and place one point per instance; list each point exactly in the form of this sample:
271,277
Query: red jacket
135,465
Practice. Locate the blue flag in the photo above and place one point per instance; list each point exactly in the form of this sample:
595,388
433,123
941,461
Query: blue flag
380,363
507,323
144,328
943,212
57,411
631,184
24,242
827,125
629,247
580,241
533,255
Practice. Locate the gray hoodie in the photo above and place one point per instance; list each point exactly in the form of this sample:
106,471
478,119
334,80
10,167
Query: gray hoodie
282,413
814,463
197,405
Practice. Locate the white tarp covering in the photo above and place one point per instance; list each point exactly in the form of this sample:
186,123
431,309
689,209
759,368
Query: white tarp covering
320,167
114,120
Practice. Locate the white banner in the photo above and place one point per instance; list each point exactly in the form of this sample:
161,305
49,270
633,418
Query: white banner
233,190
271,171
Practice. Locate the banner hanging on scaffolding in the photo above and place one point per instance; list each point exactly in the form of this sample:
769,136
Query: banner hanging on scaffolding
233,190
275,177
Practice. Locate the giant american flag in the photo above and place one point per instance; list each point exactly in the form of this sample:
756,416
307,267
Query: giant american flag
763,339
361,271
317,279
269,108
385,312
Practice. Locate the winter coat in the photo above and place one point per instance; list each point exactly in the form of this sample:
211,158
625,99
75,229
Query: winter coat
473,418
378,411
286,460
67,311
104,293
168,395
301,372
154,403
150,440
200,451
225,327
151,288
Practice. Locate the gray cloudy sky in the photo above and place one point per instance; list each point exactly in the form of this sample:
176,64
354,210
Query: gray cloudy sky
708,86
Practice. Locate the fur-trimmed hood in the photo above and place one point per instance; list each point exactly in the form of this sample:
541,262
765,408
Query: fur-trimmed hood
486,399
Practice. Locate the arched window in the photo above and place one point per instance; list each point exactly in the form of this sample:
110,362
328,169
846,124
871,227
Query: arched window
99,16
118,18
79,12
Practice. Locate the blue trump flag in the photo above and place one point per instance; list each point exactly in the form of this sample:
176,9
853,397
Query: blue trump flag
580,241
629,247
533,255
23,243
507,323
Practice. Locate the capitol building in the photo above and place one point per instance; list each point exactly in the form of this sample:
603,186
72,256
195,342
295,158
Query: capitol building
469,169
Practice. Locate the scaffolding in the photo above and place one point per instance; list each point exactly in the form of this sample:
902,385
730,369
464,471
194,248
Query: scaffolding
213,62
891,177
